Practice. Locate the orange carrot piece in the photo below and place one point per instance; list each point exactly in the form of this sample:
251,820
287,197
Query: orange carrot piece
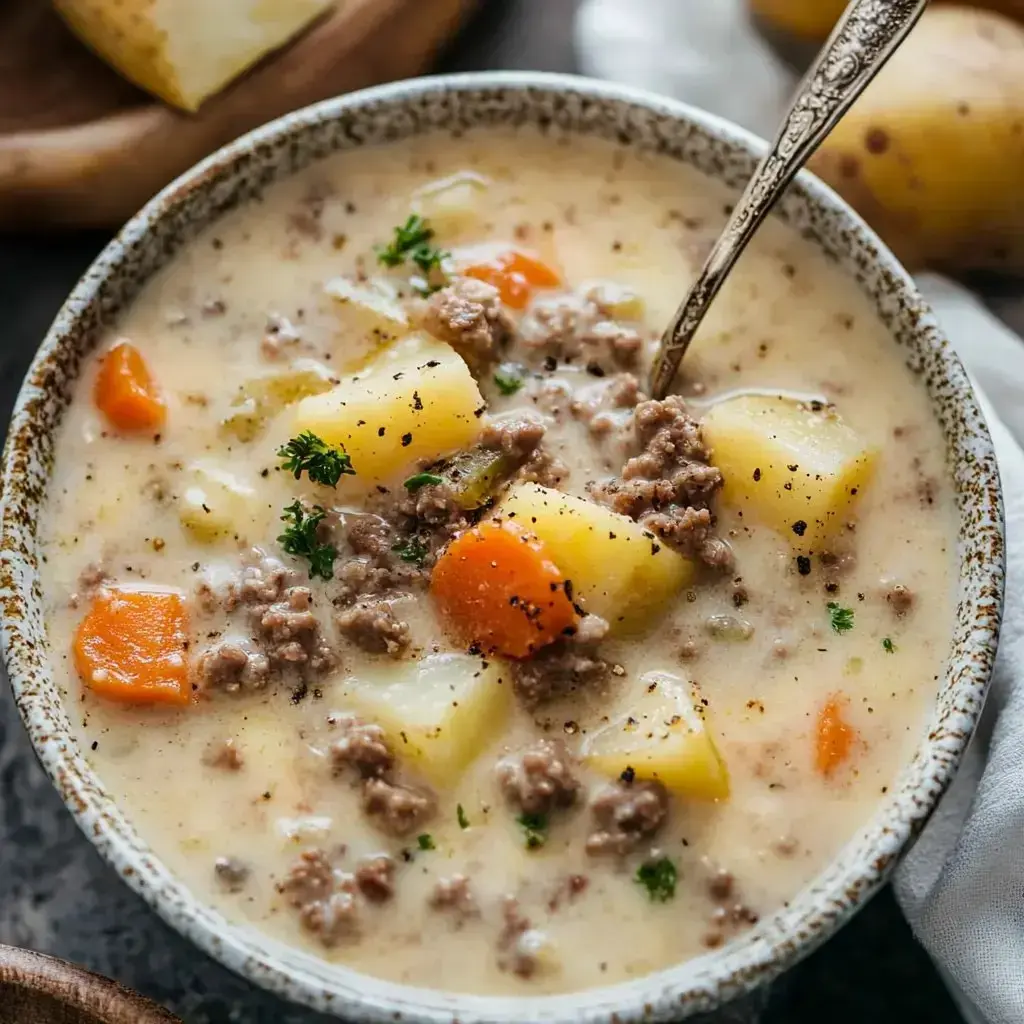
835,736
131,647
125,392
515,274
497,587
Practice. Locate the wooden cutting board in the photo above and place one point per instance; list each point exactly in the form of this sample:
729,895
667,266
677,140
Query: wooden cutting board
82,147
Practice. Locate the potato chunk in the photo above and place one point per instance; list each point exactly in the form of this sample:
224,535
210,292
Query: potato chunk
418,401
662,736
797,469
216,505
368,310
618,570
439,713
452,205
260,399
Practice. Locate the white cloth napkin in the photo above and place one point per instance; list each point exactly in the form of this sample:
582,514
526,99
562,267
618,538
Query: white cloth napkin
962,885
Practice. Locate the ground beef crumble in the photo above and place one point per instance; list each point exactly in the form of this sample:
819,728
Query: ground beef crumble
626,813
397,809
324,896
362,746
373,626
454,896
468,314
375,878
519,943
538,779
564,666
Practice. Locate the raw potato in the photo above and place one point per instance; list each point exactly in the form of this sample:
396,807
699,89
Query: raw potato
932,155
368,310
215,505
787,465
618,570
185,50
439,713
418,401
662,735
452,205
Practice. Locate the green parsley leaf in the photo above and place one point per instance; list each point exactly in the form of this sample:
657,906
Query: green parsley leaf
412,241
300,538
888,646
314,456
414,483
426,841
840,618
460,815
508,379
658,878
535,827
412,550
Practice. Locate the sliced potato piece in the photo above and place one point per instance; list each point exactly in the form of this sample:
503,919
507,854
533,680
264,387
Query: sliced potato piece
615,300
369,309
260,399
216,505
419,402
452,205
439,713
663,736
618,570
794,467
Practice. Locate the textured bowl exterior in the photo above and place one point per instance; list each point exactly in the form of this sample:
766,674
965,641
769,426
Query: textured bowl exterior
559,105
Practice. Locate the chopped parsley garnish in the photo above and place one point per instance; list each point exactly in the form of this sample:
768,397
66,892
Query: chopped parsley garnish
888,646
460,816
658,877
425,841
300,538
840,618
535,828
412,241
414,483
508,379
313,456
412,550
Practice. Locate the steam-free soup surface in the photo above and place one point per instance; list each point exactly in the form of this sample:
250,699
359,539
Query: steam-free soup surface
575,706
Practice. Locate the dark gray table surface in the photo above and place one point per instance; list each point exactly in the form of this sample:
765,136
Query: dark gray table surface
57,896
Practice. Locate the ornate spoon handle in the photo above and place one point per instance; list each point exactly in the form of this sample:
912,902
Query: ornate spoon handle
865,38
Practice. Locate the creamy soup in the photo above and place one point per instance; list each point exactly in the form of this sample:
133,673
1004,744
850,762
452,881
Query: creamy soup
407,629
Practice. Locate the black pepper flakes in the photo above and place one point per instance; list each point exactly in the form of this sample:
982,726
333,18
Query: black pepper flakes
800,527
757,475
803,565
380,431
628,775
406,440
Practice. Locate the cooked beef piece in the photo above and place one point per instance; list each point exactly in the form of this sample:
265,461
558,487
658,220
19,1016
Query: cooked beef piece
517,435
290,632
899,598
544,468
435,505
573,328
455,896
368,534
362,746
223,754
468,314
359,578
231,873
538,779
562,667
375,878
324,896
626,813
603,406
261,581
397,809
669,485
233,665
373,626
519,943
91,578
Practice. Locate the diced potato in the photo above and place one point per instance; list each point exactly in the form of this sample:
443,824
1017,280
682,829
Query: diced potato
662,736
368,309
262,398
215,505
795,468
618,570
615,301
439,713
417,403
452,205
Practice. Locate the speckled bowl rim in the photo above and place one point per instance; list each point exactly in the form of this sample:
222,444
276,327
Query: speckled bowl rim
552,102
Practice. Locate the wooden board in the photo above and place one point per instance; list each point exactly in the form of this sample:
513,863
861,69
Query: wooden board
81,147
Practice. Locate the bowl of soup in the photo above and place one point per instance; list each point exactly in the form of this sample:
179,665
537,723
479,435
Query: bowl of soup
389,639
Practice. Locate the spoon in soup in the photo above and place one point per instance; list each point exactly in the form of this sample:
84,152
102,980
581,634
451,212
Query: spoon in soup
866,36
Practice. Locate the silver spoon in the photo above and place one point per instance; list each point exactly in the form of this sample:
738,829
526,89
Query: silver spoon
865,38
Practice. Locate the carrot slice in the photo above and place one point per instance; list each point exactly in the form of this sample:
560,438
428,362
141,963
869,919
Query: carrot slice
515,274
131,646
497,587
835,736
125,392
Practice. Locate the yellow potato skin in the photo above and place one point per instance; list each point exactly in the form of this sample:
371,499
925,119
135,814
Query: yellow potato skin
932,155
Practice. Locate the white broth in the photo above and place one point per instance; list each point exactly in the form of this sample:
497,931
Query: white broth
799,650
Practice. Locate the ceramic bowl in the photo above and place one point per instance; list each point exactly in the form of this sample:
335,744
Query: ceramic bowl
558,105
43,990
